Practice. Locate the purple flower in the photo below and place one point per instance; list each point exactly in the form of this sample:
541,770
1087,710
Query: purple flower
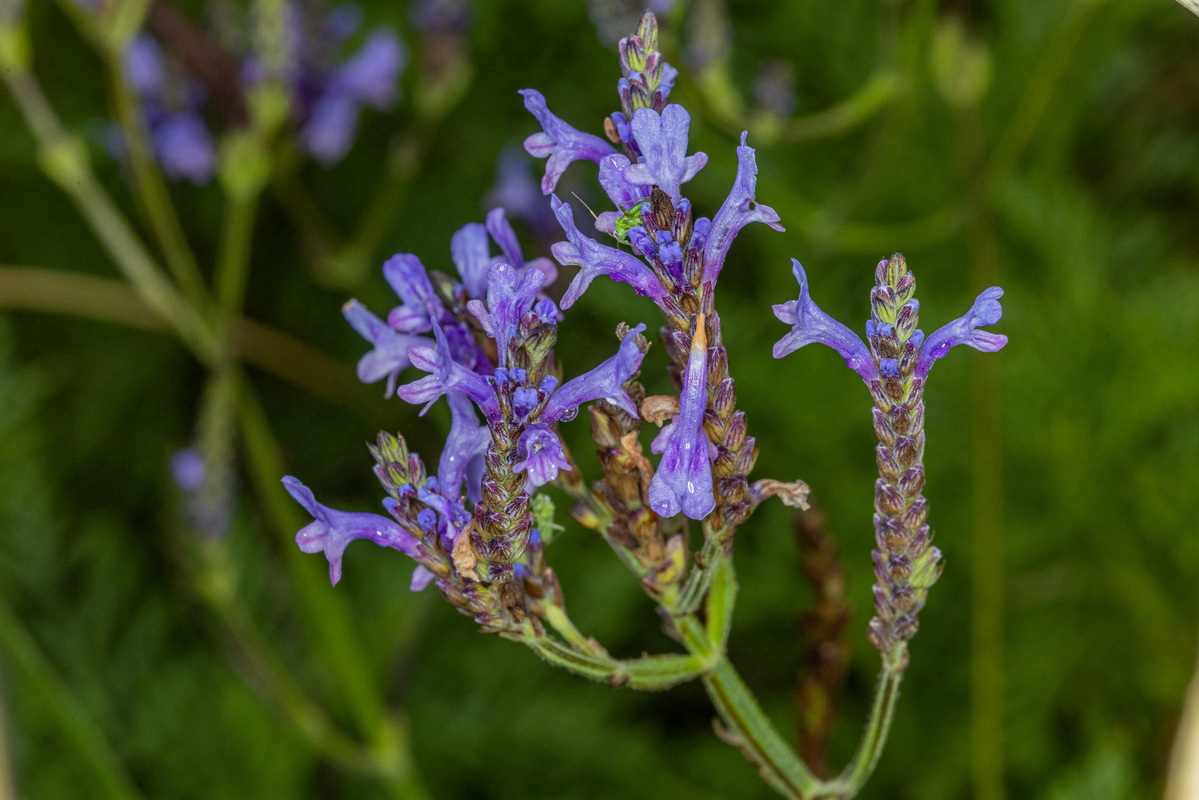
605,381
739,209
187,470
461,460
503,235
390,354
540,452
369,76
183,147
985,311
558,141
683,480
143,66
810,324
331,531
446,375
597,259
509,296
330,129
662,140
420,304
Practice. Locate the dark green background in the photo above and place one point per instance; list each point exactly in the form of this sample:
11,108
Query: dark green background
1089,217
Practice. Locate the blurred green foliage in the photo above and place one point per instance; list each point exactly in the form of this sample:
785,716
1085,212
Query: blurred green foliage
1066,169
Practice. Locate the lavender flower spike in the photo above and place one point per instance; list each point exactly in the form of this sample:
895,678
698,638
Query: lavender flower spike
739,209
597,259
683,481
985,311
559,141
390,356
662,139
332,531
604,382
810,324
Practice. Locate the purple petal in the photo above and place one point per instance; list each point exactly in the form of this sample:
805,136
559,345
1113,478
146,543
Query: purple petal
605,381
541,454
810,324
421,578
471,254
390,354
410,281
369,76
330,129
509,296
143,66
184,148
739,210
597,259
331,531
623,192
683,480
447,375
559,141
467,442
663,143
985,311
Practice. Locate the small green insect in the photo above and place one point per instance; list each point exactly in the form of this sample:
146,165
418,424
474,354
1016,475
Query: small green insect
630,219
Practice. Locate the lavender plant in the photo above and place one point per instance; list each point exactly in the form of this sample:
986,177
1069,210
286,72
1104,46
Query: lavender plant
480,529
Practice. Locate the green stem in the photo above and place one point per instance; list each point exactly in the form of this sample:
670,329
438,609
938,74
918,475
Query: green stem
233,263
650,673
860,106
323,607
83,733
215,583
154,199
106,300
64,158
878,724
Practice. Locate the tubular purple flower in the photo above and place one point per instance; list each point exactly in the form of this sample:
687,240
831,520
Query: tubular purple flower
369,76
330,129
143,65
331,531
558,141
503,235
540,452
985,311
509,296
597,259
613,176
446,375
662,139
184,148
420,304
739,209
605,381
390,355
810,324
471,254
461,460
683,480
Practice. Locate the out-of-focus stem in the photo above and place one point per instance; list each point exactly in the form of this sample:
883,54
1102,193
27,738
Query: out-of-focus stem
233,263
846,115
154,199
83,733
107,300
64,159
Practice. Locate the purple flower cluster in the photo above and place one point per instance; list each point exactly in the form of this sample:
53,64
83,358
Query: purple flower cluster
327,96
676,257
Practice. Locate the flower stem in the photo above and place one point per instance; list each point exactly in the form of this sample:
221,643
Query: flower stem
39,679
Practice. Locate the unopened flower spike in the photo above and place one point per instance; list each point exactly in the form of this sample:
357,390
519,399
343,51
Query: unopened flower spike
894,362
